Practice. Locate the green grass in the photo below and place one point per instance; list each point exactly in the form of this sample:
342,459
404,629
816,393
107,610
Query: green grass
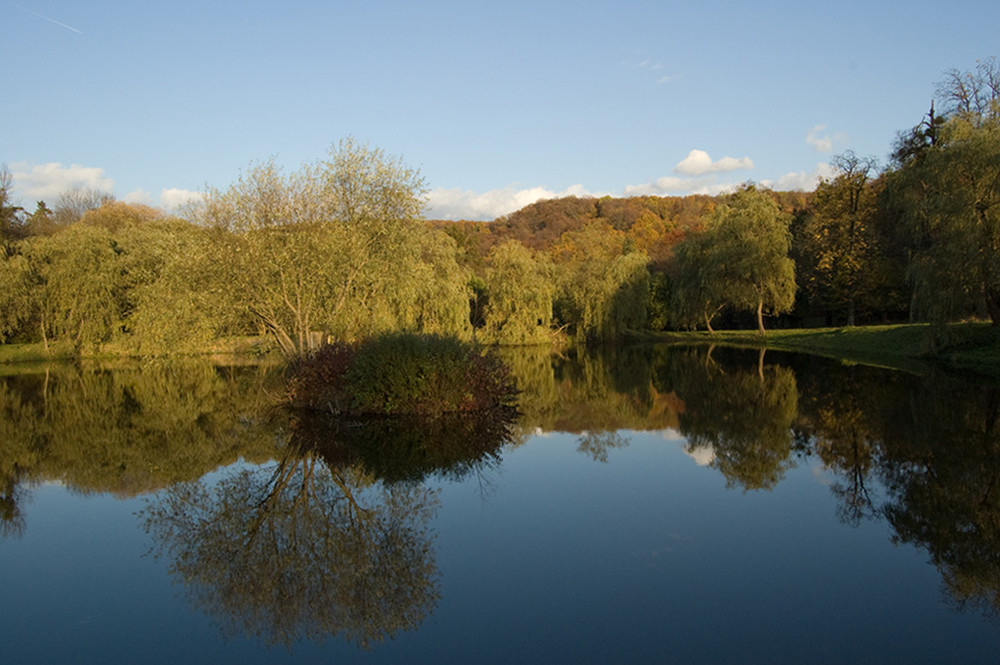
11,354
27,353
964,346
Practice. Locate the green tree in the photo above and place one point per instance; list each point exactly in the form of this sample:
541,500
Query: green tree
945,190
520,290
178,297
77,286
40,222
959,257
839,238
335,250
741,259
697,296
18,306
603,283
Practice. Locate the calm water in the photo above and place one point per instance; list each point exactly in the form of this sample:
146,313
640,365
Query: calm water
650,505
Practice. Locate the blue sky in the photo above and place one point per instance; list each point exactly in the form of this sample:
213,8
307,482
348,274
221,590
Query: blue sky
497,104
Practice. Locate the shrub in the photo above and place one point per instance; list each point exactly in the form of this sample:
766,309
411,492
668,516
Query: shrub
402,374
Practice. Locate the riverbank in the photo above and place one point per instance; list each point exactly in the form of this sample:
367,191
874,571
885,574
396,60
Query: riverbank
228,349
963,346
971,347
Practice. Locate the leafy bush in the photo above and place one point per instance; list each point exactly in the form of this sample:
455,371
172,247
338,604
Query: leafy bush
401,374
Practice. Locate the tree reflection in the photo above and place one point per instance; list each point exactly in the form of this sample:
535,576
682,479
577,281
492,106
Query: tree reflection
301,550
598,444
742,414
18,455
837,412
942,473
332,540
932,446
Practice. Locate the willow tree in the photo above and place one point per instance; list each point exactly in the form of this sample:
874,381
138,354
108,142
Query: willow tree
17,305
77,287
696,297
325,251
179,298
742,259
520,289
952,203
603,283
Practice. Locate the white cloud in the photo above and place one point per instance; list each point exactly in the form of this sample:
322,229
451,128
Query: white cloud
464,204
819,143
174,199
138,196
801,180
676,186
703,455
699,163
44,182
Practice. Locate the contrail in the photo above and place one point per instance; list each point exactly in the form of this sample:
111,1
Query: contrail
52,20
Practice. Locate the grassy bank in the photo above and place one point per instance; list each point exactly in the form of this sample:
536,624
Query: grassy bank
37,352
964,346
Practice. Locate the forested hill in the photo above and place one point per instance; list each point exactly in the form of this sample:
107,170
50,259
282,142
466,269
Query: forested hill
655,223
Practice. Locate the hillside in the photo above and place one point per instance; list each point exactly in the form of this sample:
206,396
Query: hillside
654,223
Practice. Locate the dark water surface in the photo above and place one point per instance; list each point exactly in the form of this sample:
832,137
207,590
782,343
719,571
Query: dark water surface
650,505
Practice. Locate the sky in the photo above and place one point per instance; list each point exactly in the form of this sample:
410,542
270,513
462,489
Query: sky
497,104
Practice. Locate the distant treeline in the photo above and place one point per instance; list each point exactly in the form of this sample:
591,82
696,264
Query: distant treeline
338,250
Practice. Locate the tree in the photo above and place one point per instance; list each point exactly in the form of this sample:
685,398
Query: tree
697,297
334,250
77,287
11,223
17,304
520,291
177,287
839,238
741,259
603,283
71,205
40,221
972,94
947,191
115,215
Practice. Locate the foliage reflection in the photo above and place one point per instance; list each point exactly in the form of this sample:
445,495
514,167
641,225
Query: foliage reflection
334,539
921,452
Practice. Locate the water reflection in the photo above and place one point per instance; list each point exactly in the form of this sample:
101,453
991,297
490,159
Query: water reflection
126,431
921,453
332,540
301,549
740,414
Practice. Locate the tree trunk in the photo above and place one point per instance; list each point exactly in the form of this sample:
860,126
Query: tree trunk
992,299
760,315
850,312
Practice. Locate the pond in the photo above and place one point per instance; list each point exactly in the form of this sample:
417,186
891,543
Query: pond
650,504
